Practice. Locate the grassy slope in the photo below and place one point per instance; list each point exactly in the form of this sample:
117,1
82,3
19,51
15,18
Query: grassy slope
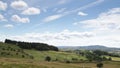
25,63
8,61
61,56
12,51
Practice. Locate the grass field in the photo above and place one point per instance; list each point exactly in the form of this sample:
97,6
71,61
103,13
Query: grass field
114,58
27,63
11,56
60,56
12,51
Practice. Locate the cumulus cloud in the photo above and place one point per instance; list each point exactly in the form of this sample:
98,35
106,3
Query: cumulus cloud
82,14
19,5
106,20
73,38
2,18
31,11
8,26
3,6
52,17
16,18
55,38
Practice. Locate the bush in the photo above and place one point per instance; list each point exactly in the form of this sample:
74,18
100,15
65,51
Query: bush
17,53
48,58
100,65
23,56
109,58
67,61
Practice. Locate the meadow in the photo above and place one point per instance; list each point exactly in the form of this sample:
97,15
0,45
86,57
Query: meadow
11,56
27,63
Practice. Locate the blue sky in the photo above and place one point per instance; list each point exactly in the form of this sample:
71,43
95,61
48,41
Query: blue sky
61,22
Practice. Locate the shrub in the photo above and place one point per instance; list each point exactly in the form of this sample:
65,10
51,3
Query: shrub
67,61
48,58
100,65
23,56
109,58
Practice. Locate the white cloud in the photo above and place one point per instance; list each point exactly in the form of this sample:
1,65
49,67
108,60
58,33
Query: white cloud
73,38
16,18
47,37
106,20
82,14
31,11
8,26
19,5
2,18
3,6
51,18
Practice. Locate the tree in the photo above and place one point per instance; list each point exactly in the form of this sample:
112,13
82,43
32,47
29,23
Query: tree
109,58
100,65
31,45
48,58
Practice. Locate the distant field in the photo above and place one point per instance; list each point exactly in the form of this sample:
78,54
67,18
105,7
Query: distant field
25,63
60,56
114,58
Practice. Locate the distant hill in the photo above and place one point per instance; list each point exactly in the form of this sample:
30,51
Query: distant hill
92,47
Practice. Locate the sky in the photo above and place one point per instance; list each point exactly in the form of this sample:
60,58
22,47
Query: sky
61,22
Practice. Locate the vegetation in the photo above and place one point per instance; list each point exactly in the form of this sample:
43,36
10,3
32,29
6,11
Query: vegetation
27,63
100,65
48,58
55,56
12,51
34,58
96,55
28,45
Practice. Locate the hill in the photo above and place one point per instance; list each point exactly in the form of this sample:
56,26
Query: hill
91,47
14,56
32,45
12,51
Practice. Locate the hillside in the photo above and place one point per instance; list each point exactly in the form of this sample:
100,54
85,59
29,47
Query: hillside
55,56
25,63
12,51
91,47
14,56
32,45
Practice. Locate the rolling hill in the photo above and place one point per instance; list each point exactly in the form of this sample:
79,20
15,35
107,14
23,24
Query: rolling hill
91,47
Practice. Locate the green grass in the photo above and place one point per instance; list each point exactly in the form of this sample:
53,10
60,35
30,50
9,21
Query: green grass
27,63
12,51
16,61
60,56
114,58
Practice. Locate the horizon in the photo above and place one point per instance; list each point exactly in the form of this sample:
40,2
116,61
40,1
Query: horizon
61,23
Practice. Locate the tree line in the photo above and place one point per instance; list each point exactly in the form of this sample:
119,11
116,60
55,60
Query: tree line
31,45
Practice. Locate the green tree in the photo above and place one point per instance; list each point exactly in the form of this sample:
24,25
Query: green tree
109,58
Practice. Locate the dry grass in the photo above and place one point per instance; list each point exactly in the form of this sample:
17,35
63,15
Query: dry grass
27,63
